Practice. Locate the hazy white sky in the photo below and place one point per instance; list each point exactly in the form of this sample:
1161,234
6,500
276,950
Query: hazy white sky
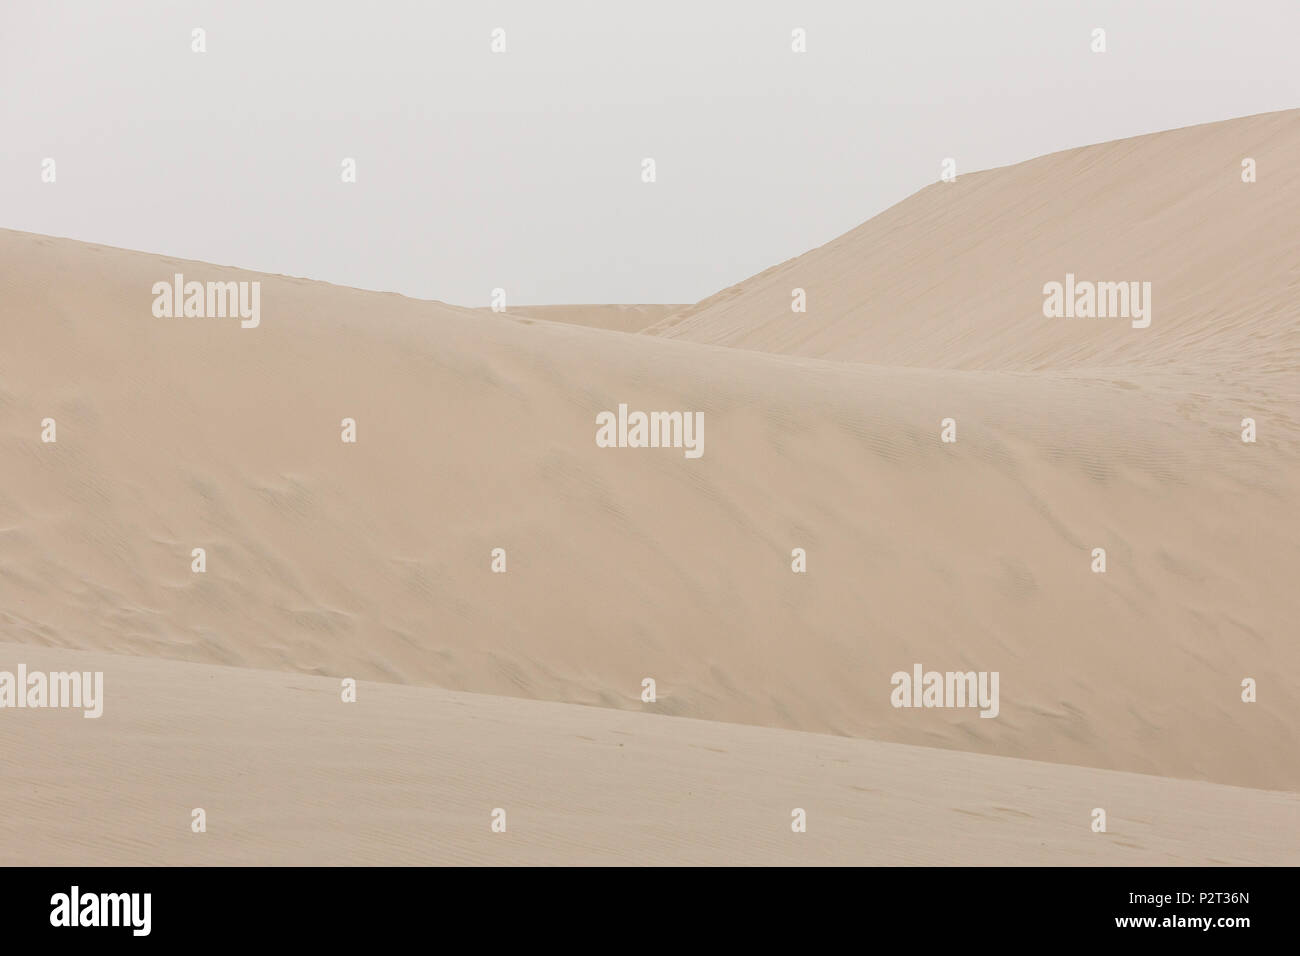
523,169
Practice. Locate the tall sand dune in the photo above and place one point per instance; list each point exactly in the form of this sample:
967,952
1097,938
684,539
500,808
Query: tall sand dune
476,431
952,277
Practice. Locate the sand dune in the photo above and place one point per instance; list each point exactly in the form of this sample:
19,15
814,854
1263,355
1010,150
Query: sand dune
476,431
616,318
952,277
288,774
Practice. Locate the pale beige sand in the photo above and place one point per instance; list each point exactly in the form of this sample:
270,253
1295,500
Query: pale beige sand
616,318
477,431
287,774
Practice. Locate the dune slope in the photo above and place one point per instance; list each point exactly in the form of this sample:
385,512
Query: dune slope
288,774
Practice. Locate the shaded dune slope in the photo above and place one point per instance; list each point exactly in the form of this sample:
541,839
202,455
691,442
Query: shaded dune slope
288,775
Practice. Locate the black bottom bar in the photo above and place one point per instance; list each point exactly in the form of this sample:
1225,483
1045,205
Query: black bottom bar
641,908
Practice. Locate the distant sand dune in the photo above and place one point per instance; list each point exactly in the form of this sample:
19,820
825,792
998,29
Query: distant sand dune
616,318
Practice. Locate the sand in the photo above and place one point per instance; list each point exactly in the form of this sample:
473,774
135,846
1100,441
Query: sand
952,277
616,318
372,560
287,774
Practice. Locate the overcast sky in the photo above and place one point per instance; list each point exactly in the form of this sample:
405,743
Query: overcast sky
523,169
